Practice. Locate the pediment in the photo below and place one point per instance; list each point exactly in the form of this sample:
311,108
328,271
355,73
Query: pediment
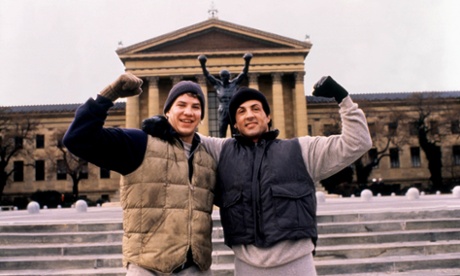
214,35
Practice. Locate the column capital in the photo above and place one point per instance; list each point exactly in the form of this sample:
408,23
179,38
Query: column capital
201,80
277,77
153,81
299,76
176,79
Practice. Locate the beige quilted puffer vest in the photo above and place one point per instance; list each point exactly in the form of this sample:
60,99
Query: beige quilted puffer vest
164,213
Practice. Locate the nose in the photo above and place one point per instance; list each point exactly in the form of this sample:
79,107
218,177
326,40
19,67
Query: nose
188,110
249,114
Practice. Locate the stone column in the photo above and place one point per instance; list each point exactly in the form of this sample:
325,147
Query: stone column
154,97
278,105
253,81
300,111
132,112
203,127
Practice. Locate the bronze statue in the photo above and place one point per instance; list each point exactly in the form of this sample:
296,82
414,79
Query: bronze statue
225,89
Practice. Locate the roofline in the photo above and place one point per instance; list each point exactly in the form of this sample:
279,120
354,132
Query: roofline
209,23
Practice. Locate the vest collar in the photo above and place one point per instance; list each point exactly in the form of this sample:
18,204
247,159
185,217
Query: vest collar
267,136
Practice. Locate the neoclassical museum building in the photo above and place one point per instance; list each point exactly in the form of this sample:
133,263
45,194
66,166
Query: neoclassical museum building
277,69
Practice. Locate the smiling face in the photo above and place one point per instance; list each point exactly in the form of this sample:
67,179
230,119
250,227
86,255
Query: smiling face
251,120
185,115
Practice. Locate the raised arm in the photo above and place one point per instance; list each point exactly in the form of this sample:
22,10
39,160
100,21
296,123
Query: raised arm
247,60
116,149
325,156
209,77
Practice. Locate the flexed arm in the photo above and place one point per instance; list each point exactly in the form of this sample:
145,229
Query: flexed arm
325,156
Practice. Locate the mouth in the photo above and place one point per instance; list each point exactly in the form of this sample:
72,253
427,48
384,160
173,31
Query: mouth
186,121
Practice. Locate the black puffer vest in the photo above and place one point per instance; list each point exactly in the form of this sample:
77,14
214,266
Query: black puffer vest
267,194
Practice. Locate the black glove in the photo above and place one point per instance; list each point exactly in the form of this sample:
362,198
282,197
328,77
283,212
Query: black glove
158,126
329,88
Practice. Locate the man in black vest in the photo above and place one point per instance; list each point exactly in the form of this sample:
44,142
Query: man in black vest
266,186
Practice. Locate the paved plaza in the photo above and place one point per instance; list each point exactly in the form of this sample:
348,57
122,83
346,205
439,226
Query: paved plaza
332,206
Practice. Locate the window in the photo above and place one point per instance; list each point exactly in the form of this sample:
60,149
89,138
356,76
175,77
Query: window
394,158
61,172
104,173
18,175
310,131
455,127
40,141
213,105
372,154
84,169
18,142
39,170
415,156
371,127
392,127
456,155
413,128
434,127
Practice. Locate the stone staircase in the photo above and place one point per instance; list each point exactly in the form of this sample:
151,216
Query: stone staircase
368,243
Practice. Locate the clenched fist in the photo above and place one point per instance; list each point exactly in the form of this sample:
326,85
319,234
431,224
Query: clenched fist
329,88
126,85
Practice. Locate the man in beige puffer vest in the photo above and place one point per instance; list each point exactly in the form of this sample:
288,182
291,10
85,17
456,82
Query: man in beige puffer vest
167,185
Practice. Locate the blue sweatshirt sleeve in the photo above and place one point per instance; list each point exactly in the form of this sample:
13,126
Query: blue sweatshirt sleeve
117,149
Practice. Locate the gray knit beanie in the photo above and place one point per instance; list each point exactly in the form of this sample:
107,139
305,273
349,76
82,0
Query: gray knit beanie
183,87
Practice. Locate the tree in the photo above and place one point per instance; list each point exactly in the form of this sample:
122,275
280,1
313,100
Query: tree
431,118
386,132
65,163
17,136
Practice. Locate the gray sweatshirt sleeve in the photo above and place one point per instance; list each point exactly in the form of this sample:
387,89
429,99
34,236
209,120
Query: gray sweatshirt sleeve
213,145
325,156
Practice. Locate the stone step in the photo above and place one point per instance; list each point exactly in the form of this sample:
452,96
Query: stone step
218,270
389,237
417,272
61,262
388,264
16,252
379,215
62,228
101,271
60,249
386,249
389,225
61,237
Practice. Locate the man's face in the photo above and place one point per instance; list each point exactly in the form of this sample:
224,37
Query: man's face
251,120
184,116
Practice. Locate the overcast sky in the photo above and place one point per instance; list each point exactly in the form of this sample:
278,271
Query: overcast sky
63,51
